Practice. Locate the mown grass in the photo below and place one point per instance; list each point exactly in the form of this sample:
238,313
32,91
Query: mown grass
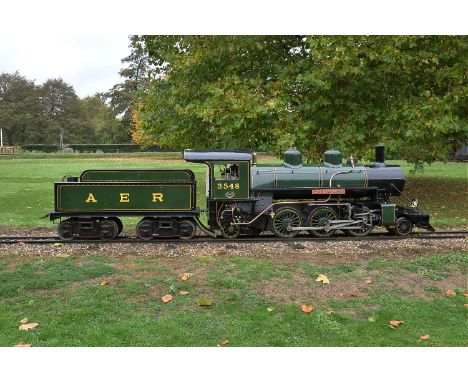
26,184
65,297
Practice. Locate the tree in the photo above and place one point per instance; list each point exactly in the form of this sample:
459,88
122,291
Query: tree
19,108
63,111
124,96
102,120
271,92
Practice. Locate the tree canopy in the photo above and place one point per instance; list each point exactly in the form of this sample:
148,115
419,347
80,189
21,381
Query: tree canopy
31,114
312,92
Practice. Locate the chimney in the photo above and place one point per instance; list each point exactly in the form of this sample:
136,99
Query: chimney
380,154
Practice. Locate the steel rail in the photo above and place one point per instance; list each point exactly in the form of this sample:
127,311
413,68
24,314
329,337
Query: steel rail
258,239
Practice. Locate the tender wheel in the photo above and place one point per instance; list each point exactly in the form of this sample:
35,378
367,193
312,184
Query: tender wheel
187,229
403,227
119,224
286,217
108,229
366,226
145,229
65,229
230,231
320,217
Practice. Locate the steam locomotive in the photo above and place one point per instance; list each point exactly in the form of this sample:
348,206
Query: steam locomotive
243,197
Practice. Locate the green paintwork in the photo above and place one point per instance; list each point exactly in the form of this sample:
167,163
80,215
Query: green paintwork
305,176
141,175
223,187
333,157
73,196
388,214
292,158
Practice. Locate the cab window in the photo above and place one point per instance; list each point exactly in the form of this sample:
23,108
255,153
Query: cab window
226,171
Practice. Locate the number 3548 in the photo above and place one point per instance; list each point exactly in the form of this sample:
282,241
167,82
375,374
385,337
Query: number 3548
228,186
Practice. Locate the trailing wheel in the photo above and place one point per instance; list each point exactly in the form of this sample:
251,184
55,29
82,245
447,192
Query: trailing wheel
108,229
365,215
65,229
230,231
403,227
187,229
145,229
320,218
284,219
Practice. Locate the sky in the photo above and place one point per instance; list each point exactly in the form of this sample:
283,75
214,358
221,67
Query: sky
90,63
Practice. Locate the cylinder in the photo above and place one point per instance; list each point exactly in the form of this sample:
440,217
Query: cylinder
379,154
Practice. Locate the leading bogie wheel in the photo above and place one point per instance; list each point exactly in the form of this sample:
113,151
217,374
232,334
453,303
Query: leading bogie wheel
108,229
284,219
187,229
230,231
403,227
321,217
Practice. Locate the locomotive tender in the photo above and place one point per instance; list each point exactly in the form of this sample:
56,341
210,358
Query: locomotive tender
242,197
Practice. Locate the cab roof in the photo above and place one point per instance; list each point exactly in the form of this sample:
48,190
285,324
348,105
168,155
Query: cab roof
215,155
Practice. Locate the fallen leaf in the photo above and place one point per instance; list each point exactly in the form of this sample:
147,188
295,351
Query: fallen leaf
224,342
57,245
184,292
105,282
465,294
425,337
368,281
167,298
203,301
306,308
270,309
22,345
354,294
451,292
329,312
28,326
465,305
186,276
23,321
395,323
323,279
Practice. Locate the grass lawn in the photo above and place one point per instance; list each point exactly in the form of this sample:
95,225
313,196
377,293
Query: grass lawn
256,291
26,184
255,301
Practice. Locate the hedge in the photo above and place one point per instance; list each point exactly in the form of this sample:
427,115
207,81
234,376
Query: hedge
42,148
89,148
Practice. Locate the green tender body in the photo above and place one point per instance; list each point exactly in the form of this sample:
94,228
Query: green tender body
111,197
272,177
142,175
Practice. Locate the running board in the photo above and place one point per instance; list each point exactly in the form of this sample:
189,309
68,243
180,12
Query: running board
326,228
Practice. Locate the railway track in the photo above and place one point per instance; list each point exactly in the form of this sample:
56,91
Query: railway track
438,235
